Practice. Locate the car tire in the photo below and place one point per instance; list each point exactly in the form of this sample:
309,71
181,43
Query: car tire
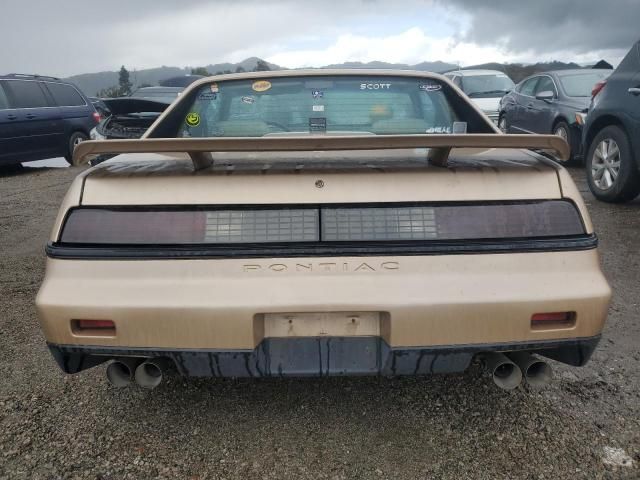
75,139
502,123
562,129
612,172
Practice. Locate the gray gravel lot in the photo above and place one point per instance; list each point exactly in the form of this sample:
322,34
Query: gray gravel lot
585,425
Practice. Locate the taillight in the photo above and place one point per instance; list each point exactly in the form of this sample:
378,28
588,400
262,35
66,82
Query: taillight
597,88
361,223
93,327
97,117
553,320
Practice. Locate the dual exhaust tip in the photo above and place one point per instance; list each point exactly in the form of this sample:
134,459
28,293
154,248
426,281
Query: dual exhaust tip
146,373
508,371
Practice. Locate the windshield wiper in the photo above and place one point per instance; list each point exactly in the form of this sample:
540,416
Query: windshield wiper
488,92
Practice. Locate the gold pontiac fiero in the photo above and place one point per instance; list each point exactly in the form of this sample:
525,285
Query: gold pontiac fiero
318,223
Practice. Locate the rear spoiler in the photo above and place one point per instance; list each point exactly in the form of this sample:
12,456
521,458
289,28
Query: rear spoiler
201,149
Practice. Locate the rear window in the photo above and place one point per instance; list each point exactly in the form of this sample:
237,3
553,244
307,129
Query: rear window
65,95
316,105
25,94
486,86
581,84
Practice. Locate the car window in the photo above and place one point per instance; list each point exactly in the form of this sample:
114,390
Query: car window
4,101
545,85
457,82
65,95
486,86
529,86
25,94
361,104
581,84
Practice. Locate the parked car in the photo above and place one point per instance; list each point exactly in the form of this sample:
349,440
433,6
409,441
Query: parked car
158,94
612,133
551,102
335,237
42,117
484,87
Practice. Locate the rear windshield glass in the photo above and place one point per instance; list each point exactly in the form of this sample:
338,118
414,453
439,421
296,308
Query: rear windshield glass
332,104
166,96
581,84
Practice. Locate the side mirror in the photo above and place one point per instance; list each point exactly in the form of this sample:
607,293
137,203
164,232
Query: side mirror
547,95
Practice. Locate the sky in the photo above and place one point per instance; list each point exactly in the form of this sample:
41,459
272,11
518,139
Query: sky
67,37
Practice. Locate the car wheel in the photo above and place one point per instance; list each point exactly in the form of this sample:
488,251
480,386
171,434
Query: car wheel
611,170
502,124
75,139
562,130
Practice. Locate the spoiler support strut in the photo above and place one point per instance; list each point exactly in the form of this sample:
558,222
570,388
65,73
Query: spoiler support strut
200,150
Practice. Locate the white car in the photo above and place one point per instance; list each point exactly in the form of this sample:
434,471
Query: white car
484,87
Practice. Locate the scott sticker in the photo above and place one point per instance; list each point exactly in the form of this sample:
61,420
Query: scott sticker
193,119
261,85
430,87
375,86
248,100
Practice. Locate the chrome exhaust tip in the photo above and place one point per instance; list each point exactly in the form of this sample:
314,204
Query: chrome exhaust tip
537,372
120,372
505,373
149,373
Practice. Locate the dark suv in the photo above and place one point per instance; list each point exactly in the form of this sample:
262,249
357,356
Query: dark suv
42,117
611,135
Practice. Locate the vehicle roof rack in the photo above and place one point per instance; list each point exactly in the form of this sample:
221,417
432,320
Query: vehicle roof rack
439,146
30,75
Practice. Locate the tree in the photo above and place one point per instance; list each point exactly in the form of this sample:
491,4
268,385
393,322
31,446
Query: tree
200,71
262,66
239,69
125,83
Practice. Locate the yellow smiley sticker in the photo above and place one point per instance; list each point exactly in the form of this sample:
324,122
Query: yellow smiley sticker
261,85
193,119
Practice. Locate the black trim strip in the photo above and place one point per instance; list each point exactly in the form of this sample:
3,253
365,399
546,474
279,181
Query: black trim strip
323,249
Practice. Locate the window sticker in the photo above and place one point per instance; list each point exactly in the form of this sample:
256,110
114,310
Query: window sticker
214,88
459,127
248,100
438,130
317,94
375,86
318,108
430,87
193,119
207,96
317,124
261,85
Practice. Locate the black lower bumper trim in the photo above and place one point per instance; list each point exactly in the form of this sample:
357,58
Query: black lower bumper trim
323,356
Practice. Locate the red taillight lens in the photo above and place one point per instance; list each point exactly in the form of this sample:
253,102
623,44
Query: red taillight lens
551,320
93,327
97,117
95,324
597,88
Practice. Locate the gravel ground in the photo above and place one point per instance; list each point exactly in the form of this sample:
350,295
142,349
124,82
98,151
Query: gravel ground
585,425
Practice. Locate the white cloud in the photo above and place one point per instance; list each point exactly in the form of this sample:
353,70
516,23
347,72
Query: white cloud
411,46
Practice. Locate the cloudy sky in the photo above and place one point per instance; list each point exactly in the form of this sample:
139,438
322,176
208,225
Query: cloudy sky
65,37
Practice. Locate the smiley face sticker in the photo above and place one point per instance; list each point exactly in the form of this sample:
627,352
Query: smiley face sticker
193,119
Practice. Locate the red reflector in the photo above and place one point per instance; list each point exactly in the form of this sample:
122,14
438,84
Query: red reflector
97,117
95,324
553,320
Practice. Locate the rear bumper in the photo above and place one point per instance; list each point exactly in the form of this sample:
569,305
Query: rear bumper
319,357
234,316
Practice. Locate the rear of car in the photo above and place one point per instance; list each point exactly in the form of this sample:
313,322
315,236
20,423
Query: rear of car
612,133
42,117
300,230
